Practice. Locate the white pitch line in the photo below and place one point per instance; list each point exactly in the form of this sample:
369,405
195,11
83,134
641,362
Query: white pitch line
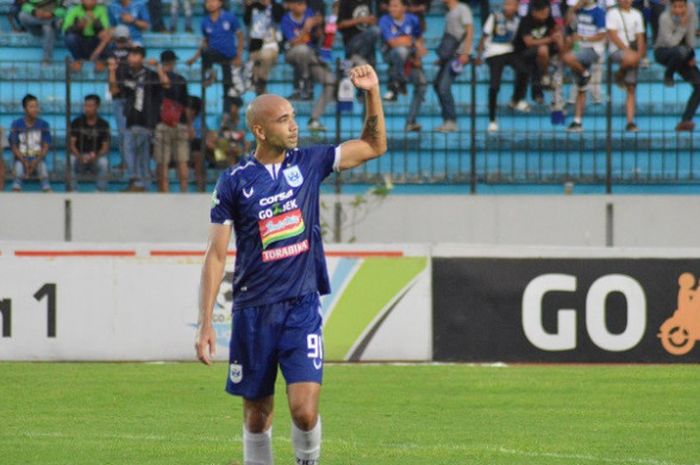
591,458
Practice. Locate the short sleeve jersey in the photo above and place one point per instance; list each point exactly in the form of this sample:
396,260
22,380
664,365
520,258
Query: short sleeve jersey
391,28
529,26
137,9
29,139
590,21
500,33
291,28
626,24
275,215
221,34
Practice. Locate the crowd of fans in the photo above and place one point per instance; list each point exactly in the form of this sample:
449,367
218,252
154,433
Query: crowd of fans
156,117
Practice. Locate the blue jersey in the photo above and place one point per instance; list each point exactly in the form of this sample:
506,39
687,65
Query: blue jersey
275,214
391,29
29,139
590,21
221,34
137,9
291,27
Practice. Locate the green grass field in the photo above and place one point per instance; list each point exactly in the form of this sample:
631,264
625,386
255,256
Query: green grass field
142,414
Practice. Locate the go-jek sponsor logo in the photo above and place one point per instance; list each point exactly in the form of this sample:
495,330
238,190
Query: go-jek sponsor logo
679,333
278,209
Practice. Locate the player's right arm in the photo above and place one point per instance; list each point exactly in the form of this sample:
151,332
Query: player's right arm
212,273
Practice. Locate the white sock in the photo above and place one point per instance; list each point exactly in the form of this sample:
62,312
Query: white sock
257,447
307,444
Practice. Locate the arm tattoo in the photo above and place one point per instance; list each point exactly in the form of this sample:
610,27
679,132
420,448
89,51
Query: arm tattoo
371,126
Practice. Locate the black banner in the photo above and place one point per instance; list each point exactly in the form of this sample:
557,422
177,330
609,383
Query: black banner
566,310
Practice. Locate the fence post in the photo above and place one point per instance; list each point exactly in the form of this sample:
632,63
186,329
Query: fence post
472,135
68,175
337,206
608,130
203,130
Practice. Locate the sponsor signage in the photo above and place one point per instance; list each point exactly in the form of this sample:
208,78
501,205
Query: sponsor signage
566,310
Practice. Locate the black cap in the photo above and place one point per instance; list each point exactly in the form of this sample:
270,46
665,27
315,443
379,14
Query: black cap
138,49
168,56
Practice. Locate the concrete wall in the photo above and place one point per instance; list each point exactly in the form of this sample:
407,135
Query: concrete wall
640,221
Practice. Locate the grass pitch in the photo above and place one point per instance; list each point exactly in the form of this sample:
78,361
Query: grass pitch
143,414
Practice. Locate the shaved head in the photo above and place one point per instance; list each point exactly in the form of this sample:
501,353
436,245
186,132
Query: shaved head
264,108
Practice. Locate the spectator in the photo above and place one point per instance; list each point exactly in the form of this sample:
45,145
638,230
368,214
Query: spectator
155,13
142,90
86,31
228,145
537,40
675,49
222,45
119,51
627,47
29,139
132,14
298,26
453,51
194,135
187,6
171,132
43,18
403,49
13,16
588,47
89,144
262,17
496,46
359,29
651,12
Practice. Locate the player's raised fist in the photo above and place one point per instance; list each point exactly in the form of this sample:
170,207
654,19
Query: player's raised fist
364,77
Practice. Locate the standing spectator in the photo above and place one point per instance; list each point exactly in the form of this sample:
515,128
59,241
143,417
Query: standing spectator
223,45
29,139
119,51
404,49
298,26
262,17
89,144
142,89
132,14
43,18
675,49
627,47
588,47
538,39
496,46
187,6
453,51
155,13
86,31
194,135
171,132
360,32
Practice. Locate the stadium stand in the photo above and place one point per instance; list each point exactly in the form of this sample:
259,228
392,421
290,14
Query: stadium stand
528,149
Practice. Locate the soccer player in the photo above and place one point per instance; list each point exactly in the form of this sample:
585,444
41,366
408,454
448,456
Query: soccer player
272,200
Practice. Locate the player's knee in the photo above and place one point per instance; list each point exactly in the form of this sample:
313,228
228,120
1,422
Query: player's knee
258,417
304,417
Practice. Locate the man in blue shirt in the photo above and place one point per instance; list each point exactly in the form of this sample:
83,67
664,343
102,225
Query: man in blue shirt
404,45
29,138
300,28
132,14
223,45
272,201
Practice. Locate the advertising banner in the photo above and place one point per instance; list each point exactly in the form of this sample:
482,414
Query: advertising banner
81,302
566,309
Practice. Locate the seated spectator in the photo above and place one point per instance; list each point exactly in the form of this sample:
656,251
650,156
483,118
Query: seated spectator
171,132
43,18
227,146
29,139
89,144
675,49
587,48
223,45
143,91
360,32
496,46
626,33
404,48
194,135
187,6
132,14
298,26
538,39
453,51
86,30
262,17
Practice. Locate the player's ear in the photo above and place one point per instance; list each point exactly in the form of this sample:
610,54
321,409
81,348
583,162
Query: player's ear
258,132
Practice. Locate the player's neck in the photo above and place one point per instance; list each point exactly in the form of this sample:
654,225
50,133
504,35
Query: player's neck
269,155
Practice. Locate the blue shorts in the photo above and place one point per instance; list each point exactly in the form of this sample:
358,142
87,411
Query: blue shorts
287,334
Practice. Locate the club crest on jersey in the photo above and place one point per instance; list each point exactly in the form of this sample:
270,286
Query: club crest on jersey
236,373
293,176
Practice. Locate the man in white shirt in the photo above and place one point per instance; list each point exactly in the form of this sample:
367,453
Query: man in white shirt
627,46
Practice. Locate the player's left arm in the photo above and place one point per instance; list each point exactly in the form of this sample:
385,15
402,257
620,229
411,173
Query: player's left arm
372,142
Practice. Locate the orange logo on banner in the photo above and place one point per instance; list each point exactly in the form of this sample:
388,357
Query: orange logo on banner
679,333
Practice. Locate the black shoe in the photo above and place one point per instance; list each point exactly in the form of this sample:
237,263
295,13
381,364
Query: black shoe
631,127
668,80
575,127
403,89
583,79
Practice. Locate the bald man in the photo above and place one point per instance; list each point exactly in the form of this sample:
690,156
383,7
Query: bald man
272,200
